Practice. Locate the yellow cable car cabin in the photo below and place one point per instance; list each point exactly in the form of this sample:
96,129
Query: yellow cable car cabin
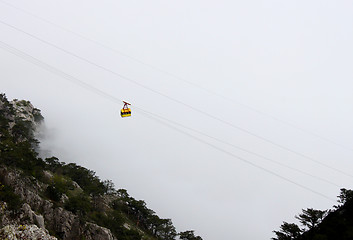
125,111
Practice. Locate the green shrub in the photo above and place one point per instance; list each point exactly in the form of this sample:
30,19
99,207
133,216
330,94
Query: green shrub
7,195
79,204
52,193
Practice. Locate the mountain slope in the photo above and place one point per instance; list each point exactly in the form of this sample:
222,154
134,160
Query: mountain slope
66,201
333,224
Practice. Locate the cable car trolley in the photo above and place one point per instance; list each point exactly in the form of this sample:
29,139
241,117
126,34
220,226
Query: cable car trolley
125,111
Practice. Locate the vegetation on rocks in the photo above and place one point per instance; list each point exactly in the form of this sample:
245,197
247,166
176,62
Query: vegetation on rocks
73,202
14,232
333,224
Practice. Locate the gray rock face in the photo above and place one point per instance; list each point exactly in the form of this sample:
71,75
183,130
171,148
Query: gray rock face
14,232
100,233
25,110
65,223
32,216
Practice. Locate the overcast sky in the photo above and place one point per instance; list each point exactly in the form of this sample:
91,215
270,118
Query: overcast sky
238,71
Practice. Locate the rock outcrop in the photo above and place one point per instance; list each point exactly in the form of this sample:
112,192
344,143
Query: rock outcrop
17,232
65,223
26,111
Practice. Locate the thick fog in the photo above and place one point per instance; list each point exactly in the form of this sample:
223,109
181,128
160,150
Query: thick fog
273,78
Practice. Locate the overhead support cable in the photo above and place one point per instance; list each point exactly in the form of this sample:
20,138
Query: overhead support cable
240,148
152,116
180,102
56,71
101,93
180,78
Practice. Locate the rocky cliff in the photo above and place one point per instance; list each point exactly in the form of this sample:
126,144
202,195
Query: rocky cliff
49,199
43,213
35,213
